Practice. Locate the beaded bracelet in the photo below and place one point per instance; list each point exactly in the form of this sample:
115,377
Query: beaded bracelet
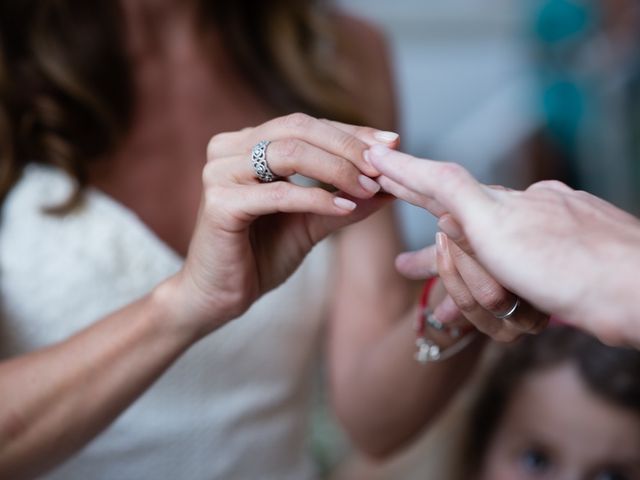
428,350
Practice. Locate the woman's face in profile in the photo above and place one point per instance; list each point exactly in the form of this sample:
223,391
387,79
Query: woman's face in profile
555,428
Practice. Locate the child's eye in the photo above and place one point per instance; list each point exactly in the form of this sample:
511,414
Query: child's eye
610,474
537,461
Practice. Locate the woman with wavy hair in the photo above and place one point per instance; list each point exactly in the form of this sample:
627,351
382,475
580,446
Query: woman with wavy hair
148,324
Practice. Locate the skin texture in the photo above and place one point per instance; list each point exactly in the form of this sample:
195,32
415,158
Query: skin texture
567,252
571,434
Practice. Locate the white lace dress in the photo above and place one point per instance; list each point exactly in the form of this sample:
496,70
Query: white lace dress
234,407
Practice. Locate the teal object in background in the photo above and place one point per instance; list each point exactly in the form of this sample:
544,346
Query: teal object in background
561,28
588,93
563,20
564,105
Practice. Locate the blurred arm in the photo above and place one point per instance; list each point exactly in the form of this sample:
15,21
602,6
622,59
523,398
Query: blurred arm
56,400
381,394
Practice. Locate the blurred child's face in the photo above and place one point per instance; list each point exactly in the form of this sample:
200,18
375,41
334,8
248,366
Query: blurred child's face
555,428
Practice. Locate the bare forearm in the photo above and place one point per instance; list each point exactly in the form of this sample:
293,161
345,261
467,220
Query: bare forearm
631,324
56,400
609,302
385,397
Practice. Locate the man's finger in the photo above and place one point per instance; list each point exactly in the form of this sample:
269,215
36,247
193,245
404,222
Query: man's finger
447,183
399,191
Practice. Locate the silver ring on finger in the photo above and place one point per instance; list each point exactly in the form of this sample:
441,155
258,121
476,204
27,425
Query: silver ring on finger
260,164
509,313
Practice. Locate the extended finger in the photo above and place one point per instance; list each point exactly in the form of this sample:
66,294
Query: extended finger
370,136
319,226
418,265
448,183
302,127
492,296
240,205
291,156
399,191
464,299
485,289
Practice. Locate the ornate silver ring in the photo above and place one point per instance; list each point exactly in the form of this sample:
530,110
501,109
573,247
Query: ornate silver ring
259,162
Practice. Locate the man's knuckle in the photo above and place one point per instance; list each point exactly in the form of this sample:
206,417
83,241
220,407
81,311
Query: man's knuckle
457,254
549,184
466,303
494,300
452,173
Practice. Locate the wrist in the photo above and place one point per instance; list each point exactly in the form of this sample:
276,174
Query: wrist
180,314
619,310
609,302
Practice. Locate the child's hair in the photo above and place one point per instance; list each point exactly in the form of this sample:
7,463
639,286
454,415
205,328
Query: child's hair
611,373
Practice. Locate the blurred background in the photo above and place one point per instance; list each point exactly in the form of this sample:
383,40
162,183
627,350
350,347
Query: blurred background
518,91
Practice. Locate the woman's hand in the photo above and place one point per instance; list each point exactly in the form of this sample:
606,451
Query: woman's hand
472,293
567,252
250,236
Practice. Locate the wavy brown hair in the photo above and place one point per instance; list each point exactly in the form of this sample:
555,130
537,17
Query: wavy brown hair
66,93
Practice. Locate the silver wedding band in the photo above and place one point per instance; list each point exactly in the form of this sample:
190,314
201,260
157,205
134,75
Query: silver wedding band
260,164
509,313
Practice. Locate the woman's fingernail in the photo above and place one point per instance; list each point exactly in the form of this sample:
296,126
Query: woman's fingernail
368,184
386,137
441,243
379,151
344,204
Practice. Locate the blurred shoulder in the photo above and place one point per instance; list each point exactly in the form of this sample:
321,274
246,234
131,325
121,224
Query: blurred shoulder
364,48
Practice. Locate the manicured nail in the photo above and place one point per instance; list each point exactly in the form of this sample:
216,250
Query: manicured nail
367,157
386,137
368,184
379,151
441,243
344,204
